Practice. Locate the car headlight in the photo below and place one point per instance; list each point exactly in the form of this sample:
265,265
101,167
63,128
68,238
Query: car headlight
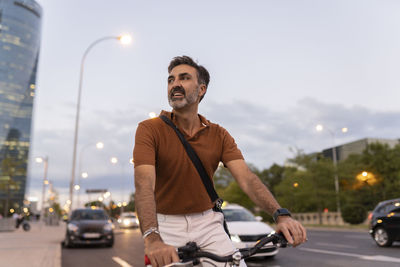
137,221
235,238
108,227
127,222
72,227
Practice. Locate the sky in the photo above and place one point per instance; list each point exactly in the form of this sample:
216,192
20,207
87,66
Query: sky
278,68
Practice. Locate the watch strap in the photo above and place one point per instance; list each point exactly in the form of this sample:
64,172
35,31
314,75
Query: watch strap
281,212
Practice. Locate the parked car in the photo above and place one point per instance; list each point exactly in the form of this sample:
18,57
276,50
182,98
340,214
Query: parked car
89,227
128,220
385,222
246,229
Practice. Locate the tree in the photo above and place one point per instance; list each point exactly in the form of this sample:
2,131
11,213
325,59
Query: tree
384,162
309,186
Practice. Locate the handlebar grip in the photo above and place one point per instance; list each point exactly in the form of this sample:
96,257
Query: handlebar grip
281,239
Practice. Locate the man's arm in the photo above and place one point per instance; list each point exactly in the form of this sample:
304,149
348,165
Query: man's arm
293,231
159,253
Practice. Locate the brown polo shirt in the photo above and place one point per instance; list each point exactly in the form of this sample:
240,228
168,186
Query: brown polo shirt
179,189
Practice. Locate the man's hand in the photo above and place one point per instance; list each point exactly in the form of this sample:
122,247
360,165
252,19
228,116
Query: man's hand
159,253
293,231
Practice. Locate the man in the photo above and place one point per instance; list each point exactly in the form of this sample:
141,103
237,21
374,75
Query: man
172,203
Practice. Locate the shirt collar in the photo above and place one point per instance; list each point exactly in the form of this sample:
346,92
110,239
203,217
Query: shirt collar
170,115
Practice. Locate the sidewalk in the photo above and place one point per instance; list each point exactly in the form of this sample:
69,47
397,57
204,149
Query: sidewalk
40,247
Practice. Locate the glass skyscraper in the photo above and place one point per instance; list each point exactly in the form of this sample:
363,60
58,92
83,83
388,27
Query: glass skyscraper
20,27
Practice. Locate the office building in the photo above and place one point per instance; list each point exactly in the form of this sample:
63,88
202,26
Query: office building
357,147
20,28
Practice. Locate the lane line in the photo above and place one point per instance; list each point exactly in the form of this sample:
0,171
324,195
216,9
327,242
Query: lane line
362,257
358,236
121,262
334,245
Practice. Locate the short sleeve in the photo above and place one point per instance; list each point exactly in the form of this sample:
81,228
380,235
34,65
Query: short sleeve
230,150
144,151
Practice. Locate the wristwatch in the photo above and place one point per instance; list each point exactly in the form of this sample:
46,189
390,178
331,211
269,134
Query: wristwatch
281,212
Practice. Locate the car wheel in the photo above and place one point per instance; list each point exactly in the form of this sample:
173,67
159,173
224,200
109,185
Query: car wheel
382,238
68,243
110,244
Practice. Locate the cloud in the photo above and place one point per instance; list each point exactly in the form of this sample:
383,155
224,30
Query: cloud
264,136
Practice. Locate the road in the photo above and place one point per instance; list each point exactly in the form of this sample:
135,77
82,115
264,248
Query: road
324,248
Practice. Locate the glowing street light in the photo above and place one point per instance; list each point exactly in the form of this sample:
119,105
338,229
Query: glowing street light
152,115
77,187
114,160
84,175
99,145
124,39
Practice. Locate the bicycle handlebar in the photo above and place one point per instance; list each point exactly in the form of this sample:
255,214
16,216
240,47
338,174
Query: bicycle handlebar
191,252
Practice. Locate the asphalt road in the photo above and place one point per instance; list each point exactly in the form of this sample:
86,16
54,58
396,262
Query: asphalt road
324,248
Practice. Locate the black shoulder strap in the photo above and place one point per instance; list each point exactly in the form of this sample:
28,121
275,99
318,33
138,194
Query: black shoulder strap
196,161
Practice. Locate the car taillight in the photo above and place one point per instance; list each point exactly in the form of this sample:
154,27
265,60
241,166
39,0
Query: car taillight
370,216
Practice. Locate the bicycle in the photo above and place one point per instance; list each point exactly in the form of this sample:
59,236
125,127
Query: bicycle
191,255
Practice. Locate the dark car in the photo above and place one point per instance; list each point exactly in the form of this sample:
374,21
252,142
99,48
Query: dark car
89,226
385,222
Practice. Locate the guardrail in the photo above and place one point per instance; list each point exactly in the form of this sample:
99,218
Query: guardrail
323,218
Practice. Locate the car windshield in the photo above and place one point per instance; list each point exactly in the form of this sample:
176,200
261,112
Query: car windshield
129,216
88,215
238,215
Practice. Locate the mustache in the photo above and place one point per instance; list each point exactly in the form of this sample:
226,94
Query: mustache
178,89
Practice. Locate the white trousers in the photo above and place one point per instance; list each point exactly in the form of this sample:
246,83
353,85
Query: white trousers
205,228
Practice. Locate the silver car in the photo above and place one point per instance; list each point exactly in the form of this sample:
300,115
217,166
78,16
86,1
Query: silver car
128,220
246,230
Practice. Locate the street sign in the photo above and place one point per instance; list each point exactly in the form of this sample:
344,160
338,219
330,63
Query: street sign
89,191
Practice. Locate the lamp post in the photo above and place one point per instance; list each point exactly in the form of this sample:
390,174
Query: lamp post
78,186
115,161
45,161
319,128
124,39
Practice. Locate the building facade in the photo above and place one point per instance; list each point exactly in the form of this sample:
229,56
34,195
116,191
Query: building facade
20,30
357,147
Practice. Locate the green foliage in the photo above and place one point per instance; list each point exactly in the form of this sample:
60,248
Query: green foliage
315,188
354,213
222,179
234,194
384,162
131,203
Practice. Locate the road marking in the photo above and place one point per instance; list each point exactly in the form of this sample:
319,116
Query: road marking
121,262
334,245
358,236
363,257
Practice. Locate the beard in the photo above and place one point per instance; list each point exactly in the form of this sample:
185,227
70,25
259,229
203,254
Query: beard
187,99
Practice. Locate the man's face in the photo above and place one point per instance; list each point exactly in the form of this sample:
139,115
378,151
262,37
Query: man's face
183,87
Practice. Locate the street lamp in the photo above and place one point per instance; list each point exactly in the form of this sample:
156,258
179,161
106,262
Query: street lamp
124,39
320,128
122,163
99,145
45,161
